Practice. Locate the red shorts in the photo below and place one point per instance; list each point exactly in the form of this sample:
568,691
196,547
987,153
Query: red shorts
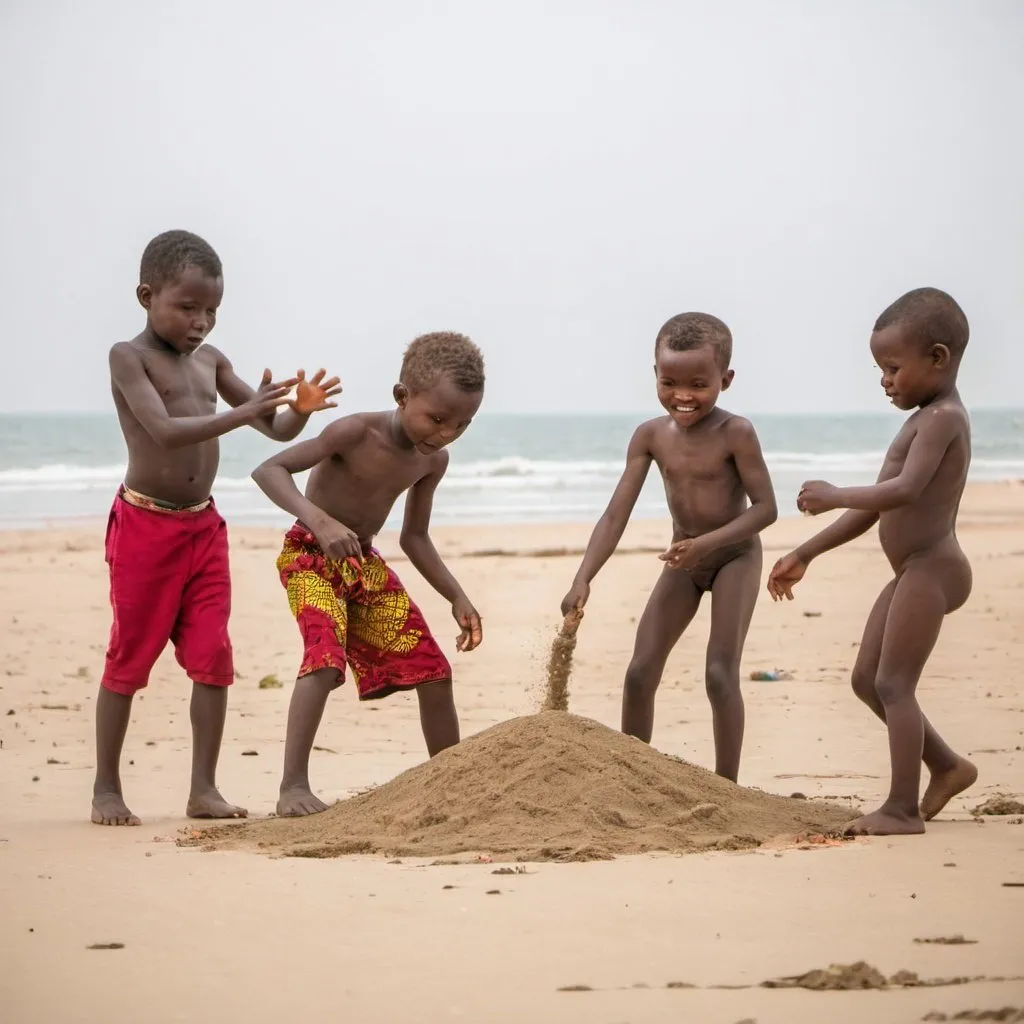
169,580
359,614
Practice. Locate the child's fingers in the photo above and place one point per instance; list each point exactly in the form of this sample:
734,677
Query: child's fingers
318,376
331,383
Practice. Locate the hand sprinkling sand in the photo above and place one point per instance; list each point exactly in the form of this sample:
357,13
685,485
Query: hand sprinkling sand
560,663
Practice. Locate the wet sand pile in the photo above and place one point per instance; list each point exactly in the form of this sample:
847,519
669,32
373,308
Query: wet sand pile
550,786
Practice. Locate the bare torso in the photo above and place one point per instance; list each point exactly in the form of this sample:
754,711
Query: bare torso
360,488
187,384
927,525
702,484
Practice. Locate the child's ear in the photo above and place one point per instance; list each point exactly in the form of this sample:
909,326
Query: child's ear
145,295
401,393
941,356
727,379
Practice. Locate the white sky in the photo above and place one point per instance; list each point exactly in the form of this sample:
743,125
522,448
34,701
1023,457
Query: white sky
553,178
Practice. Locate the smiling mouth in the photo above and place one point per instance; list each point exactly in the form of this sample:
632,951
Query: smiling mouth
684,408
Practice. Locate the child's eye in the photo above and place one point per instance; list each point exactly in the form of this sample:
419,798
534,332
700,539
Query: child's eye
437,419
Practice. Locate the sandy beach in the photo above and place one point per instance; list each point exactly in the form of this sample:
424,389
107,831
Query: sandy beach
212,936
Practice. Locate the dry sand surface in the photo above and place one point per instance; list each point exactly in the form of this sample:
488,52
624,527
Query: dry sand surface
229,934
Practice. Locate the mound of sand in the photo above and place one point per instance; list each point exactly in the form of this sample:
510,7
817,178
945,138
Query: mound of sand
551,786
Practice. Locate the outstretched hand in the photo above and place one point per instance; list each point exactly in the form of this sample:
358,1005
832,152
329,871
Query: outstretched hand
312,395
270,395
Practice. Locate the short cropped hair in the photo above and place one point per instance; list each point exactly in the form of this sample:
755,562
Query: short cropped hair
443,354
688,331
933,318
169,254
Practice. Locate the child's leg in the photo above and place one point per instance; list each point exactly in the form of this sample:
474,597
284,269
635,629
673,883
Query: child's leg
203,649
950,773
438,716
145,555
309,698
923,595
112,713
670,609
208,710
733,596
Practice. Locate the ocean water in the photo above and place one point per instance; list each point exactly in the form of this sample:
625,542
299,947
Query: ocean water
506,469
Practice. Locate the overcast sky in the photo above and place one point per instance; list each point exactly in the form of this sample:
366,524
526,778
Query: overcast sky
555,179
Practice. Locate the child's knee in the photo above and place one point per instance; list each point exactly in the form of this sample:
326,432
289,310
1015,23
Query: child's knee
323,679
863,683
436,696
721,680
642,679
891,690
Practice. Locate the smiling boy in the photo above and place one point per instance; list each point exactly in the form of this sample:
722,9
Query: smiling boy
711,464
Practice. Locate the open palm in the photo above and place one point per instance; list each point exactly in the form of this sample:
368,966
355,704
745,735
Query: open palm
313,395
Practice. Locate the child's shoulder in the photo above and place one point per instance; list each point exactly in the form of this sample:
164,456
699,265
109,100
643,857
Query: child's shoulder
652,427
948,415
737,428
359,428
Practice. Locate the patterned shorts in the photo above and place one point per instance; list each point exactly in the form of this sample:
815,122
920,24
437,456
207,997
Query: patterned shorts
357,614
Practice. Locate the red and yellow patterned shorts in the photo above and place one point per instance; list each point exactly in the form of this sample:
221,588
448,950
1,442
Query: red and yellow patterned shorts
359,614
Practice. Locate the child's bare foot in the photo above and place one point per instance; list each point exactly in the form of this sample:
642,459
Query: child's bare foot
210,804
110,809
943,786
885,822
297,801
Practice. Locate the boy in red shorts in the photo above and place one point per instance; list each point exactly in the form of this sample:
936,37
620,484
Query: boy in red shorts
350,606
166,542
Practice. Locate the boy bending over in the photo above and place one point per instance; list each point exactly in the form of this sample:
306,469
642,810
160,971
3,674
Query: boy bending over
166,543
918,343
711,463
350,606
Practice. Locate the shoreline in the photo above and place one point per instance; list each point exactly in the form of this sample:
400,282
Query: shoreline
989,501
